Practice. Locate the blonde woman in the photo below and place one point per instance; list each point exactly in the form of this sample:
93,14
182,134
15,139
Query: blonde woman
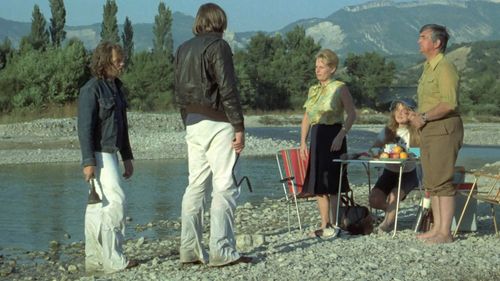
324,121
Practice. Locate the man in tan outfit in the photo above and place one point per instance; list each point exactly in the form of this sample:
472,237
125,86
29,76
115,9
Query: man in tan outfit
441,129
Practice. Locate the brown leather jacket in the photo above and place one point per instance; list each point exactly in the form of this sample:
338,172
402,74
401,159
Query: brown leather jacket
205,80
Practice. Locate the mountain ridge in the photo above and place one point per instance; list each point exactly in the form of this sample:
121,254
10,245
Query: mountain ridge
383,26
368,28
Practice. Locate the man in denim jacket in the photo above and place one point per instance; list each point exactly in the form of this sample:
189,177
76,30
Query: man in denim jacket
102,132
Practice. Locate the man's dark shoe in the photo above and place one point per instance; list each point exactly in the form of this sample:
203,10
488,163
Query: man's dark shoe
131,264
190,263
241,259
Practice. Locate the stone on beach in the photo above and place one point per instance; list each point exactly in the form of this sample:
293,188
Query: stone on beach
55,140
261,229
282,255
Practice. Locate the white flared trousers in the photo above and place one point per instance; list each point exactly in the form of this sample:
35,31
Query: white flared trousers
210,153
105,222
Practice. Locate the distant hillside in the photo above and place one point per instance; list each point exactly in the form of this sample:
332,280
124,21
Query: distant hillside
392,28
471,59
478,65
383,26
13,30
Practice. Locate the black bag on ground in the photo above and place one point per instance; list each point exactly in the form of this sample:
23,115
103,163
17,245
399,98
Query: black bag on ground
354,218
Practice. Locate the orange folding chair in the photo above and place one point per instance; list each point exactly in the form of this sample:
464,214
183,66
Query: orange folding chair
292,168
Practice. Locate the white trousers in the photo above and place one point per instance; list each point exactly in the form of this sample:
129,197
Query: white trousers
210,153
105,221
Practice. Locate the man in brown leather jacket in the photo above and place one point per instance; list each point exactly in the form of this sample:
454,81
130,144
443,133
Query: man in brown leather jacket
206,93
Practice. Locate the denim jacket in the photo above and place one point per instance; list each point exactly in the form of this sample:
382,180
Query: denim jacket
100,110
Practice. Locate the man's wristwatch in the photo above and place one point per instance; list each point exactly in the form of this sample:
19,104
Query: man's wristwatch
424,117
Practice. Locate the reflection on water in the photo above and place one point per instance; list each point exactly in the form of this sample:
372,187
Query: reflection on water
40,203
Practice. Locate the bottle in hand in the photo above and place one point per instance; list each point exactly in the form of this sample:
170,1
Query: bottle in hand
93,196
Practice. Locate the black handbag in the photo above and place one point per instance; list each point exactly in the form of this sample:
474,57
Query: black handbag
354,218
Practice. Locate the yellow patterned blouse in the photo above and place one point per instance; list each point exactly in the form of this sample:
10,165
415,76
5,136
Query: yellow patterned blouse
323,104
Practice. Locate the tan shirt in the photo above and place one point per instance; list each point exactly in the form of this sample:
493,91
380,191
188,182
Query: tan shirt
438,83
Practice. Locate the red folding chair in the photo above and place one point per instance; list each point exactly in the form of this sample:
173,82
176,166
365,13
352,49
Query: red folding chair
292,168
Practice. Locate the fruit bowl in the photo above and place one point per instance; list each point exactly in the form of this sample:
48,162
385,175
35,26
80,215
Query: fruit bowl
393,152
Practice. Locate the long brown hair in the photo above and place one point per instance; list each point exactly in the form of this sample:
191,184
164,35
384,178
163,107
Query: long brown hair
210,18
392,128
102,58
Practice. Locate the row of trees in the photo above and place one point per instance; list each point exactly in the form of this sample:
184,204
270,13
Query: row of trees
42,72
274,71
481,93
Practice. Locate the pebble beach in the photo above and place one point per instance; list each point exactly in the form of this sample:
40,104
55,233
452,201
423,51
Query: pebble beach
279,252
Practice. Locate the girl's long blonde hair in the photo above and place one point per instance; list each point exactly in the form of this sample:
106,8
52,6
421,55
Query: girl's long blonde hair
392,128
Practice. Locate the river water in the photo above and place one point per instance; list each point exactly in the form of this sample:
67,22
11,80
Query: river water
44,202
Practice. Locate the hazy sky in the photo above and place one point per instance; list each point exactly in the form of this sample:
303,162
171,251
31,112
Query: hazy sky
244,15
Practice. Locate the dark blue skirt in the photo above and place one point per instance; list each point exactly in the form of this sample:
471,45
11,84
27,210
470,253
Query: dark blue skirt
322,176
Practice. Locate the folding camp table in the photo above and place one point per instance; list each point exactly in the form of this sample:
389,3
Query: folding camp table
367,163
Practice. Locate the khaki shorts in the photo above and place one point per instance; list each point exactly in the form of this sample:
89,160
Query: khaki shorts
440,142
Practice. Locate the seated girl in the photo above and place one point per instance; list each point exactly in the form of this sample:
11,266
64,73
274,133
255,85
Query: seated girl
398,131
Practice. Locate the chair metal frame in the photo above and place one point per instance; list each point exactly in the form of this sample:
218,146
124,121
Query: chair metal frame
490,196
288,179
